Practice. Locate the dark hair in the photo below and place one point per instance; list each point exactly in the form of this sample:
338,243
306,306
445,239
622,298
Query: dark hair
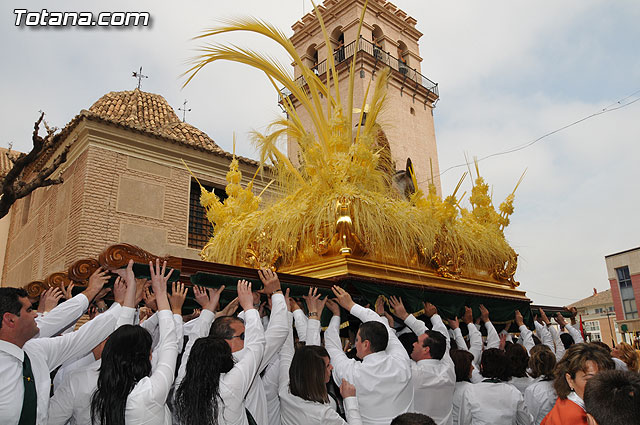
494,364
196,400
541,362
536,340
574,360
413,419
376,333
307,374
613,397
518,360
125,361
221,327
10,301
567,340
437,344
602,345
407,340
462,360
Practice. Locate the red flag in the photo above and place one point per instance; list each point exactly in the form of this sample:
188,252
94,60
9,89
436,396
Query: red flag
581,328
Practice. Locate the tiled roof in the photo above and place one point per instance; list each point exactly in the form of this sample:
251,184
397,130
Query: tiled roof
150,113
5,164
600,298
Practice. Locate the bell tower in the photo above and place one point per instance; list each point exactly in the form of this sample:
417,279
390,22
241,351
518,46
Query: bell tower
389,39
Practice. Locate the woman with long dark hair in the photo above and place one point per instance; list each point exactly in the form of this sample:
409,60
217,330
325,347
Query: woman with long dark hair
303,383
213,389
128,391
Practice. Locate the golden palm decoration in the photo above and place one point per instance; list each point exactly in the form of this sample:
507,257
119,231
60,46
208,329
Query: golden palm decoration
339,200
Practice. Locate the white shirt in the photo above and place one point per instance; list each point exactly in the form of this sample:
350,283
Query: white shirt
521,383
147,402
457,400
235,383
433,380
382,379
295,410
539,399
45,354
62,316
487,403
72,400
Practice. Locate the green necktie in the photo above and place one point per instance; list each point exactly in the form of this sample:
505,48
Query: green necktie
30,400
250,417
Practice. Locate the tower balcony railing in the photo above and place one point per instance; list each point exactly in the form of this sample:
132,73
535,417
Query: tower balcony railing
380,57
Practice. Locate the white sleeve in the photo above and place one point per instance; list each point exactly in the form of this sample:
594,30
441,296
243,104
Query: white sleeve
300,320
460,342
313,332
127,315
238,379
76,344
61,404
464,415
522,416
418,327
277,330
62,316
167,353
493,340
577,336
179,323
531,403
475,342
200,328
342,365
526,338
559,350
352,412
505,332
286,356
544,335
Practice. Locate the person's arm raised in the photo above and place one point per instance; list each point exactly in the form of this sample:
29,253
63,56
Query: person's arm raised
315,305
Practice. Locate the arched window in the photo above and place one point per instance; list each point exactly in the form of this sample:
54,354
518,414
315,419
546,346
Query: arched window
403,51
377,38
337,38
312,58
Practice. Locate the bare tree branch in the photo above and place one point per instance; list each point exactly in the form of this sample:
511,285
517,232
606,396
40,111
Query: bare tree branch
13,185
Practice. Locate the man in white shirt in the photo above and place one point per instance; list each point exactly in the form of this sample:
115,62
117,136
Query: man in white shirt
432,371
20,352
383,378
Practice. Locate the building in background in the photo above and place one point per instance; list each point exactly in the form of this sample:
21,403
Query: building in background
124,182
598,318
623,270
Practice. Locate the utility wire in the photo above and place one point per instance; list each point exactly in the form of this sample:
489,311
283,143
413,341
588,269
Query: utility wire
609,108
550,296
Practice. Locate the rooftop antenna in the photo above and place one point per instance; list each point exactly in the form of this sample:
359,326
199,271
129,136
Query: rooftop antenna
184,110
139,76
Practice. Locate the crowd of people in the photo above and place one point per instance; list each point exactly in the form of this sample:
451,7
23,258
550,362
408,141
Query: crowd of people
271,363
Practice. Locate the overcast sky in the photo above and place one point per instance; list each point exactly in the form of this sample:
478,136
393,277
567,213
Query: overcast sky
508,72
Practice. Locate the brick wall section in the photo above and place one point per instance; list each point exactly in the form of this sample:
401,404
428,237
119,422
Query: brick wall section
176,208
617,300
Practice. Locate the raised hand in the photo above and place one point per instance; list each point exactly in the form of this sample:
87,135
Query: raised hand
96,283
503,341
245,298
333,307
230,308
67,292
52,298
347,390
560,320
288,299
468,315
177,297
544,317
454,323
315,304
159,279
398,307
293,305
343,298
518,318
430,309
150,300
484,313
119,290
270,281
